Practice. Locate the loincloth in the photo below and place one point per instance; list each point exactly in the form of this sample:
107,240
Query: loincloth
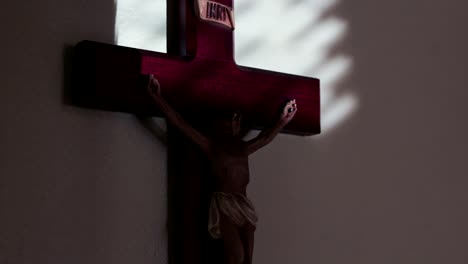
236,206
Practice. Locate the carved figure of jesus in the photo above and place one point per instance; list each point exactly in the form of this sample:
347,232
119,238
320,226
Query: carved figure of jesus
232,216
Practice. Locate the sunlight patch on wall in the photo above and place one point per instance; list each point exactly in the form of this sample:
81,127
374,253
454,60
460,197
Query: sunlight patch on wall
292,36
141,24
298,37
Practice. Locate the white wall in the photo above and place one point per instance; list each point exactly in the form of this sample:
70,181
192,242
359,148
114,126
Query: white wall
76,185
385,186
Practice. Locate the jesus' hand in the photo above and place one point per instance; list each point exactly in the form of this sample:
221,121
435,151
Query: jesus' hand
289,111
154,89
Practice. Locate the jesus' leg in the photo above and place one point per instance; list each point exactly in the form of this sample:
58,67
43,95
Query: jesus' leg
233,248
247,237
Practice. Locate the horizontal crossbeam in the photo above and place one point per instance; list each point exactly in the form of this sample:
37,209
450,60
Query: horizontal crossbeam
114,78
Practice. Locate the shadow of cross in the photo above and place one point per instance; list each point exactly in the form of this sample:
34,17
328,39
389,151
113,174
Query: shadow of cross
199,80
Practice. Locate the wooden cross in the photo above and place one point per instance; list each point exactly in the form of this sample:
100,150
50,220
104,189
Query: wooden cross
199,77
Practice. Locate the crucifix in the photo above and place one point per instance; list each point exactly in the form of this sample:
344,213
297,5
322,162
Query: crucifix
201,81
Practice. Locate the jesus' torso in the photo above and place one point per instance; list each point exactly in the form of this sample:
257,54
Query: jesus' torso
230,165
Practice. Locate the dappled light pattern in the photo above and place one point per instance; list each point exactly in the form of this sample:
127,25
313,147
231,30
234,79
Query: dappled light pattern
291,36
298,37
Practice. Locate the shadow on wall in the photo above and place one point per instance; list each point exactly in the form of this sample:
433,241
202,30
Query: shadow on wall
388,184
49,164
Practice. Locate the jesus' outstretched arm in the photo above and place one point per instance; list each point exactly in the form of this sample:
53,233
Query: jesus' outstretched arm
174,118
267,135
